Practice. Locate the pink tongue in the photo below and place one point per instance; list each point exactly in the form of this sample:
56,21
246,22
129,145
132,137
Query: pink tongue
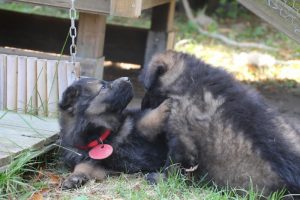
101,151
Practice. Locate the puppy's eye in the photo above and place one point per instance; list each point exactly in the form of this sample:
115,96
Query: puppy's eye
103,87
160,69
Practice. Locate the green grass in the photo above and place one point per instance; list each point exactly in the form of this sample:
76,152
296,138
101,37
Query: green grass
176,187
14,185
12,182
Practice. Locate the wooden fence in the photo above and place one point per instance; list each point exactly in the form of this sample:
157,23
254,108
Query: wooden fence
32,85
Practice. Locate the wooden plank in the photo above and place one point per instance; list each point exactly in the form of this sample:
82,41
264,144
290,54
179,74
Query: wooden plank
22,80
19,132
12,75
90,6
31,85
62,78
129,8
3,82
152,3
42,100
52,88
272,16
130,48
90,41
72,72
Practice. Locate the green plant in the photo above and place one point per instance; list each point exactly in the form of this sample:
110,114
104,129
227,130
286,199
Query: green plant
12,182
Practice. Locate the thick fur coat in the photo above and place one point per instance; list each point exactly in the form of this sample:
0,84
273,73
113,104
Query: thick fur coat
220,127
88,108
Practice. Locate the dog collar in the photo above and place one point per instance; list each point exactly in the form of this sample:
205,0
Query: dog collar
94,143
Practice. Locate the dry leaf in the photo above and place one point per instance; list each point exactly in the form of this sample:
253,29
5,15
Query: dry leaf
36,196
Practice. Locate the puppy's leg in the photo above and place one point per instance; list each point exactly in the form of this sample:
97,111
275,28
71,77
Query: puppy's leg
181,158
152,123
82,173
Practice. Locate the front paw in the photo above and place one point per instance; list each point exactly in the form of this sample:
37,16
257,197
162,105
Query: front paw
165,106
74,181
155,177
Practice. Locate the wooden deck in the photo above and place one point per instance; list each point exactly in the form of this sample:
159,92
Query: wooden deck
19,132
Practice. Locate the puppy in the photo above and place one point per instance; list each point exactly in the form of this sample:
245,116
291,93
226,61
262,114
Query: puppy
219,128
92,115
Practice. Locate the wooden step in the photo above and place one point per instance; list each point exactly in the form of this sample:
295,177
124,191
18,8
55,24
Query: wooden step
19,132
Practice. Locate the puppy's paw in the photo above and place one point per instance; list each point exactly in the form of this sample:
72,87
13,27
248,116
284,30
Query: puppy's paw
155,177
74,181
165,106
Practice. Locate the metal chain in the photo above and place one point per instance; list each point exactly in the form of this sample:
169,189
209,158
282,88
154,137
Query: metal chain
73,34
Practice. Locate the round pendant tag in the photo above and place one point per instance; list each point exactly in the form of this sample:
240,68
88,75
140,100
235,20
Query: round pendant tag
101,151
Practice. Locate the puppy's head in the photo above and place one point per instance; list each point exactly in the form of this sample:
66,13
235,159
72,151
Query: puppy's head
90,106
160,77
90,96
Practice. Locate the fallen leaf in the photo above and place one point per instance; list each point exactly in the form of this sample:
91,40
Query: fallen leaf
36,196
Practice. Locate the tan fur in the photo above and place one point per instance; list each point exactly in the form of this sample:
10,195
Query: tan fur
174,65
289,134
91,171
229,154
125,130
153,121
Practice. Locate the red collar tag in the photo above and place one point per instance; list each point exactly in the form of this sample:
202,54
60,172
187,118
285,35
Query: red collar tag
99,150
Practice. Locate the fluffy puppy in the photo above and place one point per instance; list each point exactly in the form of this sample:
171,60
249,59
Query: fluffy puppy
90,109
219,127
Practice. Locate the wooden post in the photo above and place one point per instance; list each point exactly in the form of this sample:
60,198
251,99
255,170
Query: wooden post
3,82
161,35
22,79
90,43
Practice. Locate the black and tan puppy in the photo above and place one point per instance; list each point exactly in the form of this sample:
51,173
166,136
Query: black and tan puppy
221,127
91,113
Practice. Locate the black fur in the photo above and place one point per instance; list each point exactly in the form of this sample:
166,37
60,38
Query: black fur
80,124
244,109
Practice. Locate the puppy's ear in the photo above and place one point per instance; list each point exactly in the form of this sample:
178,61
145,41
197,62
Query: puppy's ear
151,74
69,98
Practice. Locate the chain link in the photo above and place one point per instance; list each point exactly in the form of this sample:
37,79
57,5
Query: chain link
73,31
73,35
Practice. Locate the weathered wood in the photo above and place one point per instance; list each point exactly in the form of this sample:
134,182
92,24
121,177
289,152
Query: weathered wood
90,42
152,3
122,44
52,88
62,78
161,35
272,16
22,80
129,8
122,8
31,85
19,132
12,70
42,87
3,82
89,6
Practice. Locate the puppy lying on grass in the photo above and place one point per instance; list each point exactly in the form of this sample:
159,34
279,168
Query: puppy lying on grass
100,137
219,128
